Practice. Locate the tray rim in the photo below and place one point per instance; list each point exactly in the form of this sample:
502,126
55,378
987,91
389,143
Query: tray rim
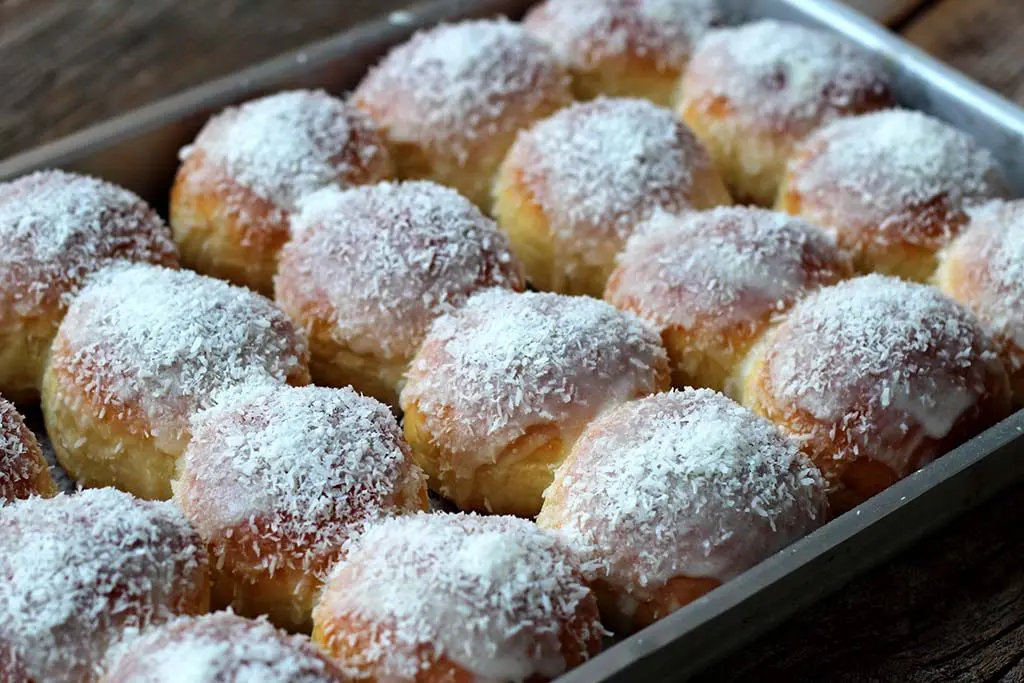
707,624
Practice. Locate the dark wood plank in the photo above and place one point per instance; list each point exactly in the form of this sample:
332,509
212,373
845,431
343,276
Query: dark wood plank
982,38
65,64
949,609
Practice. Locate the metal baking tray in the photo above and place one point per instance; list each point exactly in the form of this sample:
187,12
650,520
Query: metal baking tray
140,149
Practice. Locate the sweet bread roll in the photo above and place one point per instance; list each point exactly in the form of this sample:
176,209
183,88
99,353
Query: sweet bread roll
877,377
983,269
141,349
451,100
249,168
81,571
56,229
439,598
892,186
275,480
371,268
751,93
713,281
635,48
23,471
573,188
668,497
220,648
500,390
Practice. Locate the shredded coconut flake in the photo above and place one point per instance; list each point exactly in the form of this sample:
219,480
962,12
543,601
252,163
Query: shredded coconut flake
389,259
287,145
583,33
686,483
458,83
728,267
221,648
165,342
786,77
77,571
494,595
991,256
598,168
20,459
878,357
508,361
300,469
57,228
874,174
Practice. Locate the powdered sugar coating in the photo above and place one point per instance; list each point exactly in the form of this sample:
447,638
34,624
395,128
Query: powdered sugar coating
57,228
21,462
884,368
682,484
727,269
598,168
78,571
506,362
152,345
296,471
287,145
380,263
984,270
890,178
455,86
221,648
778,77
583,33
493,595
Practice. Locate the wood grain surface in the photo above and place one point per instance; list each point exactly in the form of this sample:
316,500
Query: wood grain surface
949,609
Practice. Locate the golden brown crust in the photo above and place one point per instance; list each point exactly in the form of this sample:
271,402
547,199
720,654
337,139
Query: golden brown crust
512,485
90,444
223,228
626,614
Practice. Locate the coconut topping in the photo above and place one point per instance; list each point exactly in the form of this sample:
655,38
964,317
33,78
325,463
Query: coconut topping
21,462
57,228
458,83
164,343
300,469
494,595
727,267
887,174
686,483
598,168
221,648
77,571
783,77
991,257
287,145
386,260
880,358
506,362
583,33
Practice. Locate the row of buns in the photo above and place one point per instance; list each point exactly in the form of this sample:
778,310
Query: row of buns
347,261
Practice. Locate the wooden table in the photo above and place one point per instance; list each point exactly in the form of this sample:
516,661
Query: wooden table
949,609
